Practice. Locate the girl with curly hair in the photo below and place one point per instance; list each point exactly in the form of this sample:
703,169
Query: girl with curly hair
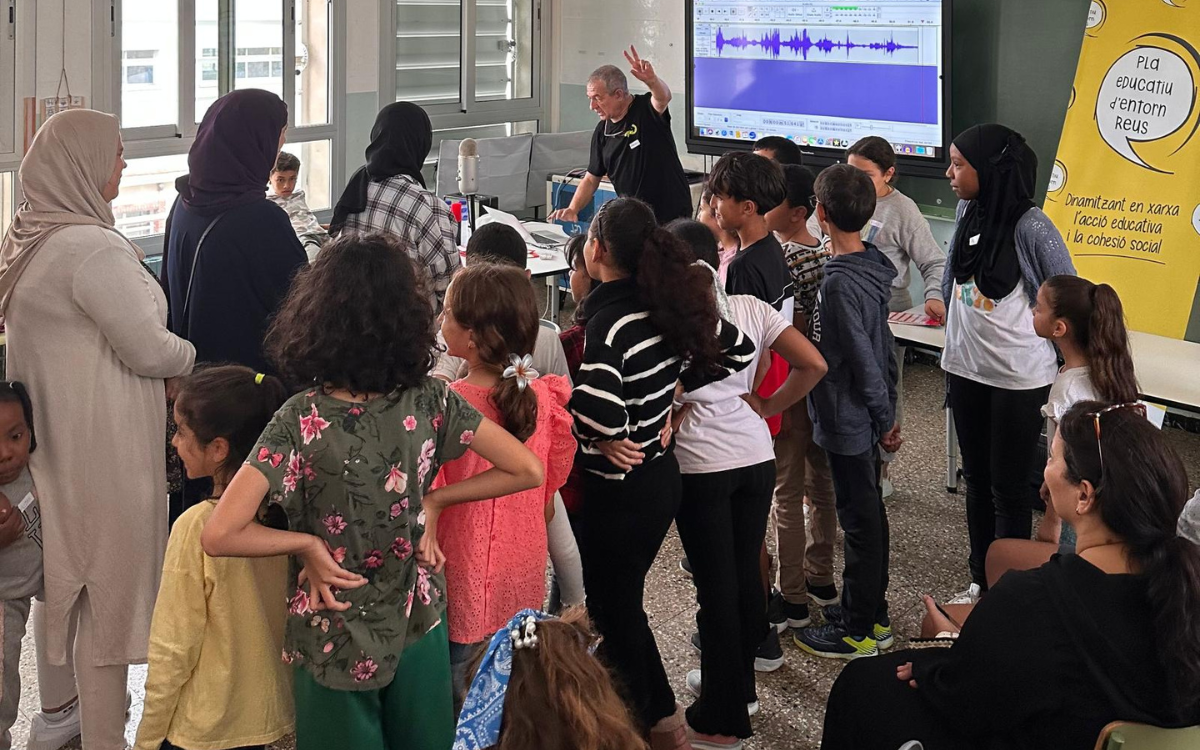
350,461
653,311
496,549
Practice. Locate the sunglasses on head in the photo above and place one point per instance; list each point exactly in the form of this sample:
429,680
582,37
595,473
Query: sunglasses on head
1136,406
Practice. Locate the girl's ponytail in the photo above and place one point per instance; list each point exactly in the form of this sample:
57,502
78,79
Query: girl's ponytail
1096,323
230,402
518,407
1109,360
497,304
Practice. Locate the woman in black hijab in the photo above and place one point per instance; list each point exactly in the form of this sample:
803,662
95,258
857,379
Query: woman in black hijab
999,371
388,194
222,297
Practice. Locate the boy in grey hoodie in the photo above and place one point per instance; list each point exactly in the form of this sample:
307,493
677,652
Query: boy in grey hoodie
853,412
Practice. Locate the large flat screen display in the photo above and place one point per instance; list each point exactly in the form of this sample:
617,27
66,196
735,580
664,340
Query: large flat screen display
821,73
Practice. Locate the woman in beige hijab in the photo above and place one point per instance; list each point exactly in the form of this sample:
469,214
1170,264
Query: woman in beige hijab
86,326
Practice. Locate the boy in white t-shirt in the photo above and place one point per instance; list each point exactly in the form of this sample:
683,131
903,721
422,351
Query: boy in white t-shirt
727,464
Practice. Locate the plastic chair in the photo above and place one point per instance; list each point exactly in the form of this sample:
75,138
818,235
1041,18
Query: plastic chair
1127,735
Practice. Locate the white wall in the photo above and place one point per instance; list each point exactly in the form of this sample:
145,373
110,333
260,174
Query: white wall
47,20
362,46
591,34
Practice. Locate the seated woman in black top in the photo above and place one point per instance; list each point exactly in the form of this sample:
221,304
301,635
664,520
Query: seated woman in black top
653,311
1052,655
222,298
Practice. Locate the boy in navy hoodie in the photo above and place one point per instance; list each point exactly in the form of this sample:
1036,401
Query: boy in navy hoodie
853,412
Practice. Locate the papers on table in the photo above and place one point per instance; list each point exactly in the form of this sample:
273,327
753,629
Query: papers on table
913,317
536,233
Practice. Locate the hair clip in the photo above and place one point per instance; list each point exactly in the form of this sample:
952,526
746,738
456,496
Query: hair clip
258,379
525,635
520,368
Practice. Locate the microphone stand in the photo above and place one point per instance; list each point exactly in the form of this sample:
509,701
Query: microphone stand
473,207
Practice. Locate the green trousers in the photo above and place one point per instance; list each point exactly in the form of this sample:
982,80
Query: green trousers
414,712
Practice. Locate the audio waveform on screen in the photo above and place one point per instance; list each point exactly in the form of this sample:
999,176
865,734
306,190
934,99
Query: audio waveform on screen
801,43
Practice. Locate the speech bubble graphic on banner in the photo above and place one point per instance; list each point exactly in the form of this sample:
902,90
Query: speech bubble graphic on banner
1196,219
1175,3
1147,95
1058,177
1097,12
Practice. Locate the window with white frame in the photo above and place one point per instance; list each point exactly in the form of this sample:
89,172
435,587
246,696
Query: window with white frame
476,66
174,58
7,199
9,117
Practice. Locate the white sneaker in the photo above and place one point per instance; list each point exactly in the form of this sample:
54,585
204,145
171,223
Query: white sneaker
52,731
886,487
970,596
693,685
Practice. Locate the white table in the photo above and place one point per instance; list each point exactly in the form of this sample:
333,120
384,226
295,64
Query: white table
549,264
1168,373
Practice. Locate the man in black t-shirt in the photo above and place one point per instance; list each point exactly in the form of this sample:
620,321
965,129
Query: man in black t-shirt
633,144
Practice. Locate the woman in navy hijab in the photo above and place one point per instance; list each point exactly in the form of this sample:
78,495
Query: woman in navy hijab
230,253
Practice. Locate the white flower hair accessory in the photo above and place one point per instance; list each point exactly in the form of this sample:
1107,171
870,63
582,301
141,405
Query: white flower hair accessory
1188,526
520,368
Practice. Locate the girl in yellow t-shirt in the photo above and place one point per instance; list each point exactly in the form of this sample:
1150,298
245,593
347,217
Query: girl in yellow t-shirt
216,680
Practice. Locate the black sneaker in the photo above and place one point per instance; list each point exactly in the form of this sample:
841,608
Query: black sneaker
796,614
881,632
832,641
770,654
823,595
775,615
696,641
686,566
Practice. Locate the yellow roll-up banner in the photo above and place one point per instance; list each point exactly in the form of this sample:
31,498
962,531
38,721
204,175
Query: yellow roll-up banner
1125,189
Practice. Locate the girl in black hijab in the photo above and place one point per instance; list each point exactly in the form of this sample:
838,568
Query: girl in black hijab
388,194
999,370
400,141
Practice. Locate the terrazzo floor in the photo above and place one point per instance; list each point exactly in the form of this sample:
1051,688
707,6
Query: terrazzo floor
928,555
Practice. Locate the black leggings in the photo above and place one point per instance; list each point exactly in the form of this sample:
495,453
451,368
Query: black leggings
722,523
998,433
624,524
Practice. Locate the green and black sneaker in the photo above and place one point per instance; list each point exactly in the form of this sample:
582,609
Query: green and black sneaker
882,632
832,641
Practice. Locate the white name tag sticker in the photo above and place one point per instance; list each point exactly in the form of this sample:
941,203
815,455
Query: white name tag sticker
634,144
974,240
25,502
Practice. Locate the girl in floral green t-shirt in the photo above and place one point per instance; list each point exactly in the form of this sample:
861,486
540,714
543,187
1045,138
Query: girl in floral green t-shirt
350,462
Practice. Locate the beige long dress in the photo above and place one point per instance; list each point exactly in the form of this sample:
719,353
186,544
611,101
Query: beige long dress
87,335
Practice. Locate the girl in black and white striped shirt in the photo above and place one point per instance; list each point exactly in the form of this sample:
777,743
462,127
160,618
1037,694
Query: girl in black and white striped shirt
652,324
